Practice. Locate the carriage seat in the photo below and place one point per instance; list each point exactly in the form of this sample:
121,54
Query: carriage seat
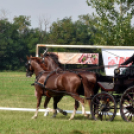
106,86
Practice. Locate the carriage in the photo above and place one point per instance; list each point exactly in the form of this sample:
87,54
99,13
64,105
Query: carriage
117,93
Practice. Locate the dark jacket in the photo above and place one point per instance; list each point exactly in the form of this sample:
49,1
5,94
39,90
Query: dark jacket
129,71
130,60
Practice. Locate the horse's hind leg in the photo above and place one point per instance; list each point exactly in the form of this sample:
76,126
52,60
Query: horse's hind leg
77,100
75,109
84,111
88,91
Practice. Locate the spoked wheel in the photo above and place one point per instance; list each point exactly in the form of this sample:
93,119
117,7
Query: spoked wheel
127,105
103,107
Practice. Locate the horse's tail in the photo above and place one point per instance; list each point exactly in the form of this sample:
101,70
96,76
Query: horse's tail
81,89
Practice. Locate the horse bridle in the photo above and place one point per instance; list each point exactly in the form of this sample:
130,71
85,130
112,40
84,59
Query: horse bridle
27,65
29,68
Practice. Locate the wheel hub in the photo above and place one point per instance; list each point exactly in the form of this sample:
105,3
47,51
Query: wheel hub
103,107
130,109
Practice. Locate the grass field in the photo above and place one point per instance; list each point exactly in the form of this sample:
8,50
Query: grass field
16,91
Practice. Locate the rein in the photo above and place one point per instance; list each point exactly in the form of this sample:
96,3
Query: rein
84,69
60,92
99,67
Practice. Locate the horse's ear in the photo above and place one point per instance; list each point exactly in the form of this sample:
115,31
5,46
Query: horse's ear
27,57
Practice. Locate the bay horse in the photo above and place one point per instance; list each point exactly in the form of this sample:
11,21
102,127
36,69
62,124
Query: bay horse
53,67
89,79
56,83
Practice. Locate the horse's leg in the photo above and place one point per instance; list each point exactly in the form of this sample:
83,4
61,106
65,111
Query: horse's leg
61,111
55,101
39,96
77,100
88,91
75,109
58,109
47,100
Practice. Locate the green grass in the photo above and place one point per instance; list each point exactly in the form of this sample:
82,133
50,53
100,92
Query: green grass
20,123
16,91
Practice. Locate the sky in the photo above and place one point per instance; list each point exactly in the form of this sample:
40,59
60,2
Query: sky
50,10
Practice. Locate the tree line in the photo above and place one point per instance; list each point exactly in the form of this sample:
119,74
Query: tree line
17,39
107,26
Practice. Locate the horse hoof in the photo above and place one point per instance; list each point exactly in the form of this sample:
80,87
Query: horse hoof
46,114
34,117
54,116
86,115
65,113
70,119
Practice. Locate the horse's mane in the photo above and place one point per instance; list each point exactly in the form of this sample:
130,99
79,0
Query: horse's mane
37,59
54,57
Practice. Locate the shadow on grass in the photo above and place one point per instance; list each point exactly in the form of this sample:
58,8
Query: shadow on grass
62,117
76,132
78,117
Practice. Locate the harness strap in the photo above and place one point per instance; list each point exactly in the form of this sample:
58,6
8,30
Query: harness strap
59,92
52,72
39,75
45,89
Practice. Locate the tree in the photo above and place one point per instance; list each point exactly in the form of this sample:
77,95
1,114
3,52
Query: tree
3,14
67,32
113,21
84,29
44,23
9,45
23,23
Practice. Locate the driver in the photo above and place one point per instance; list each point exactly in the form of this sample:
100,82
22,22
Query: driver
130,70
130,60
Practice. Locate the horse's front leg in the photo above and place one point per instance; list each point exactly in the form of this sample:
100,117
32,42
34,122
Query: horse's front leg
38,105
56,100
59,109
47,110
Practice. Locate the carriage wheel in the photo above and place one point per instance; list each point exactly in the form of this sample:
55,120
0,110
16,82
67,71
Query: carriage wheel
103,107
127,105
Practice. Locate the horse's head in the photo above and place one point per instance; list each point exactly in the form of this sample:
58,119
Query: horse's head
29,69
33,64
50,61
